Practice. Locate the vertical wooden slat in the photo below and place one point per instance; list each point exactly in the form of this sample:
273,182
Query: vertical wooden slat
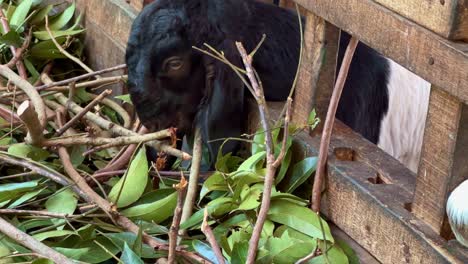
317,74
444,156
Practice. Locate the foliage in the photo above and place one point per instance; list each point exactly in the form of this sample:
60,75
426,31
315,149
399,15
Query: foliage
231,194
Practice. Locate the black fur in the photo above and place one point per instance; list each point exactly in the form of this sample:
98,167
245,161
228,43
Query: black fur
210,94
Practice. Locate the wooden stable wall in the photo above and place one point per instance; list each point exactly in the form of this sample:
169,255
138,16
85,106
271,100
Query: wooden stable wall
397,216
394,214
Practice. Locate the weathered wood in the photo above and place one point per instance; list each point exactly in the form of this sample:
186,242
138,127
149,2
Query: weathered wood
443,159
374,214
448,18
363,256
317,74
137,4
439,61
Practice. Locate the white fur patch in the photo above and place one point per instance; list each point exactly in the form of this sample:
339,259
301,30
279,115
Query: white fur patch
402,128
457,211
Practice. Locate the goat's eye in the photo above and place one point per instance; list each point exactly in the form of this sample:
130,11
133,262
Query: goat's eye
173,64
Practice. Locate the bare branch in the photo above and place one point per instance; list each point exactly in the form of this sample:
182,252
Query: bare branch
31,243
29,117
62,50
29,90
85,110
206,229
181,188
328,127
83,77
192,190
19,63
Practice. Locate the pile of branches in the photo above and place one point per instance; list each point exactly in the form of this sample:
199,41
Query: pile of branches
76,185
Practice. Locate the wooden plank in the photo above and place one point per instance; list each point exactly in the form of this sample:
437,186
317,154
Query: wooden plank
443,158
448,18
316,79
439,61
374,214
137,4
362,254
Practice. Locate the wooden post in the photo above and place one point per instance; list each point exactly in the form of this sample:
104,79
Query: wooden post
444,155
317,74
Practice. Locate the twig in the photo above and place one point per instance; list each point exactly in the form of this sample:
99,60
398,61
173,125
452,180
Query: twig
19,52
31,243
29,90
110,142
19,63
62,50
272,163
287,118
80,115
82,77
29,117
42,170
192,190
328,127
206,229
122,221
181,188
32,212
107,125
127,121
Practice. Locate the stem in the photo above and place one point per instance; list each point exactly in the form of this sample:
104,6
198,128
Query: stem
329,121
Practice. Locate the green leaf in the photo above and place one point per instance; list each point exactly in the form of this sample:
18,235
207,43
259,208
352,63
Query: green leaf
52,234
41,14
73,253
61,20
28,151
119,239
215,182
239,252
298,218
286,250
250,198
350,253
216,208
11,38
129,257
204,250
131,187
313,120
63,202
76,155
334,255
137,246
96,253
10,191
44,35
47,49
154,210
42,261
284,167
301,172
251,163
125,98
258,144
26,197
20,13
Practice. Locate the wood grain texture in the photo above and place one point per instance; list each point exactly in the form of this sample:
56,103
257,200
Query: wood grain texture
443,159
439,61
374,215
447,18
317,74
